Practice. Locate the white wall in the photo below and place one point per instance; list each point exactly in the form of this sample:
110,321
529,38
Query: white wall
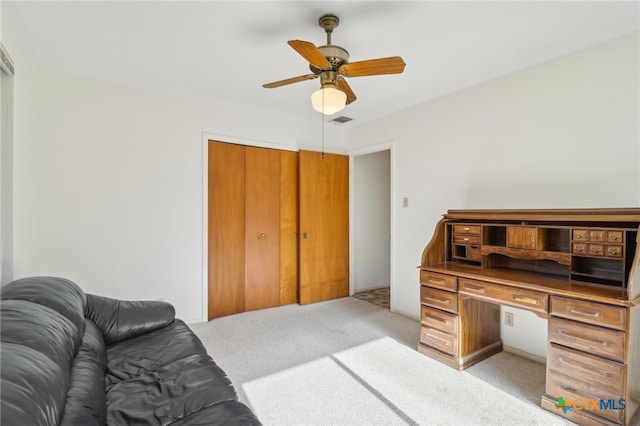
26,114
108,179
562,134
372,220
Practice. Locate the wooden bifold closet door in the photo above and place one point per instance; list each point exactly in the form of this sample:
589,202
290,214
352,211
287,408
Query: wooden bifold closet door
253,206
262,253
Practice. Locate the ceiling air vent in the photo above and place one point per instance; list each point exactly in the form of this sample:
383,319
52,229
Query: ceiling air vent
341,120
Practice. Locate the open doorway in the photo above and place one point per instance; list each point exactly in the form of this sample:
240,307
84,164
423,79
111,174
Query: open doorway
372,227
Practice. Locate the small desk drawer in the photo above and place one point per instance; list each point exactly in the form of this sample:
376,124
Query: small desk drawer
615,237
596,250
442,281
466,229
580,248
519,298
603,373
443,321
581,234
612,250
439,299
597,235
444,342
466,239
589,338
593,313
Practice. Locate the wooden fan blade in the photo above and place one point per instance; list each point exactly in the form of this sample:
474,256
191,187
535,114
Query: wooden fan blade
289,81
311,53
392,65
342,85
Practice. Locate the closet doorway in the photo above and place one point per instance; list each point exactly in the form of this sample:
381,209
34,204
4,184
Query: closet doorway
372,227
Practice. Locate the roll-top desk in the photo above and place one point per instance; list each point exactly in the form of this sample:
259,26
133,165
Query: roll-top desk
577,268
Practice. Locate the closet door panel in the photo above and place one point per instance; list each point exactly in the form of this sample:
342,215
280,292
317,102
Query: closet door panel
288,227
324,218
226,225
262,228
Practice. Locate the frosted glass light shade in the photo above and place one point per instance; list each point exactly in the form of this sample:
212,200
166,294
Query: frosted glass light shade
334,100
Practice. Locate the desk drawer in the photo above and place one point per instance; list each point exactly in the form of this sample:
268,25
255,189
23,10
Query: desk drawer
596,250
593,313
613,250
441,281
586,396
603,373
443,321
442,341
466,229
589,338
615,236
519,298
597,235
439,299
466,239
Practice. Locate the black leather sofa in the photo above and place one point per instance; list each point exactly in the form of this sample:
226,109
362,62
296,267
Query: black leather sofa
70,358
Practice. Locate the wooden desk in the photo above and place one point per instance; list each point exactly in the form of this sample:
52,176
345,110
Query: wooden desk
577,268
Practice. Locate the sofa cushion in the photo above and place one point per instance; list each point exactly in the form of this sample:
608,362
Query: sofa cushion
169,393
40,328
32,385
86,399
148,352
121,319
59,294
227,413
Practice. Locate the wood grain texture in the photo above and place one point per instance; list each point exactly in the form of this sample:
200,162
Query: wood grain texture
262,228
479,325
434,253
226,183
324,217
289,240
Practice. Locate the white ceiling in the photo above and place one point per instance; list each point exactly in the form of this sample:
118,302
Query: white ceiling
225,51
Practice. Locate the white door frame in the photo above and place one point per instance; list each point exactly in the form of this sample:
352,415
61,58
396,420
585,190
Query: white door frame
384,146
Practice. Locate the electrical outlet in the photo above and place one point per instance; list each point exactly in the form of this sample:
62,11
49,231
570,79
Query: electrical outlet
508,319
405,202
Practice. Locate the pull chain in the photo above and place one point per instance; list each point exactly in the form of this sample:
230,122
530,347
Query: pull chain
322,118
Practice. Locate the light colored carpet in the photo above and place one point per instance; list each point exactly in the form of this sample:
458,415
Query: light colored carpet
348,362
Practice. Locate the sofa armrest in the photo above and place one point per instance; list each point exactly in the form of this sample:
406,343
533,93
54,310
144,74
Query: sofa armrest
120,319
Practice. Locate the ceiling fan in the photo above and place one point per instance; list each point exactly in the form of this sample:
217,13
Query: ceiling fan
331,63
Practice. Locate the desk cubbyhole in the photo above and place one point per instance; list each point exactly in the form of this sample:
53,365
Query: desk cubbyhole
598,271
555,239
494,235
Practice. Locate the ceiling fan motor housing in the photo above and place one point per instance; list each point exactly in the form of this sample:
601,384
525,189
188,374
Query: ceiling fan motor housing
336,55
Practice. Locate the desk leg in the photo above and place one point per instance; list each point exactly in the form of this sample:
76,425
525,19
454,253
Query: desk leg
479,335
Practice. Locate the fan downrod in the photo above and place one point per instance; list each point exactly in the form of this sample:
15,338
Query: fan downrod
329,22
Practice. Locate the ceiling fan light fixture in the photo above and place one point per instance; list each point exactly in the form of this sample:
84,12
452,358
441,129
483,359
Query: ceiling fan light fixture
328,100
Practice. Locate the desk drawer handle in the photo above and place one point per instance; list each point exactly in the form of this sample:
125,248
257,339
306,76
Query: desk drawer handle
583,337
440,320
525,299
440,339
474,288
595,314
582,366
466,228
435,280
439,300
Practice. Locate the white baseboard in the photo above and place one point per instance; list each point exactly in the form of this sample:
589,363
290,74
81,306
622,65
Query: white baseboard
523,354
